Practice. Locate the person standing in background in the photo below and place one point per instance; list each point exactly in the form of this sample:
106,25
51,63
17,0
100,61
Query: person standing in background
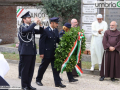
111,58
98,29
74,23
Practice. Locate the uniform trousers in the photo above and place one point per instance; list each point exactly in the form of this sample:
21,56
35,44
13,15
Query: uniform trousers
42,68
28,64
20,65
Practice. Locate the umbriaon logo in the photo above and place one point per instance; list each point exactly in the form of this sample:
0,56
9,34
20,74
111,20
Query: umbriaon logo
107,4
118,3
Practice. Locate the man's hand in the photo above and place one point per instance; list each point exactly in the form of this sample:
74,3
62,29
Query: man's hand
100,31
36,20
42,56
39,22
111,48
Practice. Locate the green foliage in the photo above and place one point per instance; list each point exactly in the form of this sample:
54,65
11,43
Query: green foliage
64,47
14,56
66,9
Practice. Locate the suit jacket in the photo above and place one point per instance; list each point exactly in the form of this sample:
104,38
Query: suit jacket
47,42
28,48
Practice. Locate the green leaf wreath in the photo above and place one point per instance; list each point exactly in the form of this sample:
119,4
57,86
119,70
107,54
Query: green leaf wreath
64,47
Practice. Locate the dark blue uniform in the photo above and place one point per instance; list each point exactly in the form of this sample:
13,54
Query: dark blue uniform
27,50
47,46
69,74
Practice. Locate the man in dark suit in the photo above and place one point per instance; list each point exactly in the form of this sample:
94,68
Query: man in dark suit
66,28
28,52
47,46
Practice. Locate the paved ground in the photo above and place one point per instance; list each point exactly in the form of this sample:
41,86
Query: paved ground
86,81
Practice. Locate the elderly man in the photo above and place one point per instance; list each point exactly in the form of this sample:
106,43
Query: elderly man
98,29
74,23
111,59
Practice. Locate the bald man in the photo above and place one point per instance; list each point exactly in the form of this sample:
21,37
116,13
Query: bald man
111,58
74,22
98,29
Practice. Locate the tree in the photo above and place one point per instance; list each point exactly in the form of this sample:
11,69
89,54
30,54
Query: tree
65,9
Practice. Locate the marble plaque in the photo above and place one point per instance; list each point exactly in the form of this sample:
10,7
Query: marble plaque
89,9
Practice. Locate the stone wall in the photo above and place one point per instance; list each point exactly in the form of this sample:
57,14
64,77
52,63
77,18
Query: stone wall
8,26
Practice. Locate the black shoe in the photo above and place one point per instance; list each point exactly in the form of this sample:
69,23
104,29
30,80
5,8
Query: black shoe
101,79
75,76
73,80
113,79
19,77
60,85
39,83
32,88
25,88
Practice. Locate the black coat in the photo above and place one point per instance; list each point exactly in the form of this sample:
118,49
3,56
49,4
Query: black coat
28,48
47,42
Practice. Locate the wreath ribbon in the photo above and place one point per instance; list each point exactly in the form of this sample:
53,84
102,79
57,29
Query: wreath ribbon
77,43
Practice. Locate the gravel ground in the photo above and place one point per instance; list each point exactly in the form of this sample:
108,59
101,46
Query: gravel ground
86,81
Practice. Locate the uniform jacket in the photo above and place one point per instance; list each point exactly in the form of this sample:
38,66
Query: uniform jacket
61,33
47,42
28,48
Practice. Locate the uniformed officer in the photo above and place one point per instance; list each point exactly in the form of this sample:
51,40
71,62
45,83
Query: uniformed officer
47,45
26,37
66,28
